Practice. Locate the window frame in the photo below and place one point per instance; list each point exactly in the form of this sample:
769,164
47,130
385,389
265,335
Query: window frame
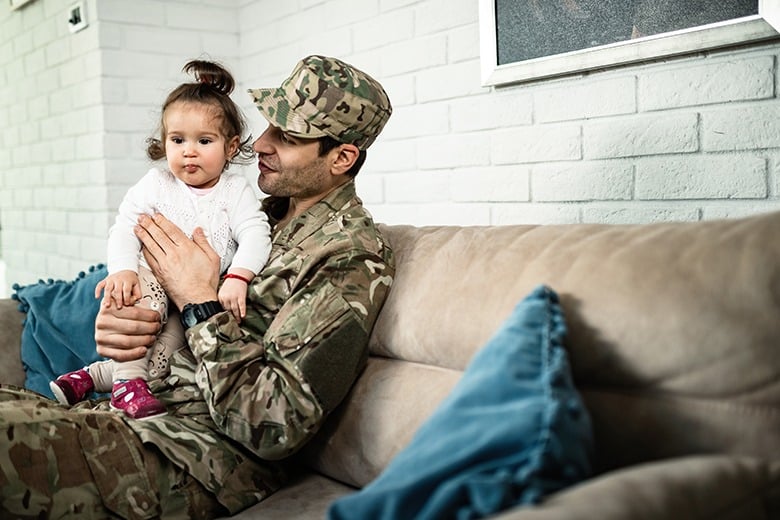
685,41
18,4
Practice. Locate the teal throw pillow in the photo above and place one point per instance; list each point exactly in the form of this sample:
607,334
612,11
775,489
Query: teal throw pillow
513,430
59,329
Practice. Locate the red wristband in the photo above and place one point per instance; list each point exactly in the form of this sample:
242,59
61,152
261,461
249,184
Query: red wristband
237,277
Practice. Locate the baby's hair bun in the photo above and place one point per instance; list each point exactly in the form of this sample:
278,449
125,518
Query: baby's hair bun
211,74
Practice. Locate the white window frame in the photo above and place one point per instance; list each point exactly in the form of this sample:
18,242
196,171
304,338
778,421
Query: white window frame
722,34
18,4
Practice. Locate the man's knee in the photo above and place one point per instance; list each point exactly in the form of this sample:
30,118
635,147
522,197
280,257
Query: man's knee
56,461
43,472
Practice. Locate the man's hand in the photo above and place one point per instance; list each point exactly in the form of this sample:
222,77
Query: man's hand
187,269
125,334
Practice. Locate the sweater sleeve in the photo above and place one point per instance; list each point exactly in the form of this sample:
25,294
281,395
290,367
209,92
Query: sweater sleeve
250,229
123,246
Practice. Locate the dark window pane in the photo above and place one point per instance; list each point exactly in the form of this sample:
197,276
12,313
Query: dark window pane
528,29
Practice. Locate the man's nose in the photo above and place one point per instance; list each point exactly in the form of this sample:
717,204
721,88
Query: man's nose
261,144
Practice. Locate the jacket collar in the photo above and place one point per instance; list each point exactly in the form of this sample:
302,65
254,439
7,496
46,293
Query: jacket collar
312,219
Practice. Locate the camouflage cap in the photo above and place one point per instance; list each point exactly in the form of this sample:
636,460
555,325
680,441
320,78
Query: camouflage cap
325,96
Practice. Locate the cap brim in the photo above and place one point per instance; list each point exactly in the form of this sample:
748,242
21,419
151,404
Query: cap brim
276,108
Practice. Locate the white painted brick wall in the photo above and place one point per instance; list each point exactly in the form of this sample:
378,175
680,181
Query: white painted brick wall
641,135
491,111
717,177
689,138
582,149
720,82
532,144
491,184
582,181
746,127
610,97
75,110
52,131
452,151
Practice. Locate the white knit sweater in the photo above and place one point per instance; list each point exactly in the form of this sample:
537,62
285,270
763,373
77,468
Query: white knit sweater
229,214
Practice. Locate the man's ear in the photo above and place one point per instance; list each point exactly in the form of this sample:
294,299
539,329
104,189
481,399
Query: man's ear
344,157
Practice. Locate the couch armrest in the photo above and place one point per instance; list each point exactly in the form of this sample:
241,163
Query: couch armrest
11,319
718,486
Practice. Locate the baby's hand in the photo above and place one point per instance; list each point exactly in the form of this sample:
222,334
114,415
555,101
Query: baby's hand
232,296
121,288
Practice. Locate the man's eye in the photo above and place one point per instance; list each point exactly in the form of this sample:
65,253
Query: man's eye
285,139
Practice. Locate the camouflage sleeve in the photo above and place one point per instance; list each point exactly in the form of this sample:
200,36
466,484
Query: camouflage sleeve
272,394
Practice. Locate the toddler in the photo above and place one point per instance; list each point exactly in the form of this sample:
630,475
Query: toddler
201,134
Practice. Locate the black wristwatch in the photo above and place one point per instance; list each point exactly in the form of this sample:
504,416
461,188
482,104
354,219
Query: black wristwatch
194,313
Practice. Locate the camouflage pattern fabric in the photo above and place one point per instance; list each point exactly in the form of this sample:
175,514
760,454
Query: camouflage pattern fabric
95,466
240,398
325,96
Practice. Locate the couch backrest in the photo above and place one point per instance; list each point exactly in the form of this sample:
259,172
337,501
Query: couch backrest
674,333
11,320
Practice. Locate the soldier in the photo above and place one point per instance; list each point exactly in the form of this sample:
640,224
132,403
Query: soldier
242,397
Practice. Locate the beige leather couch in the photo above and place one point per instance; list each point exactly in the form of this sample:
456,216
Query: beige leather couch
674,341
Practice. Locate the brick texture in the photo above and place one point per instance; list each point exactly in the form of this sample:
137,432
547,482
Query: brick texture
691,138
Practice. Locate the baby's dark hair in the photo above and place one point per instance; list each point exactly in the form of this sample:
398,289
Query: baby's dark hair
213,85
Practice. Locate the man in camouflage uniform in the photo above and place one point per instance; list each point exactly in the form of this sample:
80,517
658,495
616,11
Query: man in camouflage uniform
244,396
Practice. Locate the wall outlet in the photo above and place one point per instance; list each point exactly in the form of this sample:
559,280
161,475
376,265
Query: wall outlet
77,17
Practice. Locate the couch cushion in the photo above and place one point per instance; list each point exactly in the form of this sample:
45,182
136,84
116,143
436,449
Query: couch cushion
11,371
512,431
388,403
305,498
676,323
59,329
712,487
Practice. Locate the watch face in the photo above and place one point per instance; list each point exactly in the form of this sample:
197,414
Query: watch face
188,316
193,313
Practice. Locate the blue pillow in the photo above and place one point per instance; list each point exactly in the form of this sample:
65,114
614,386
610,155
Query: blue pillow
513,430
59,330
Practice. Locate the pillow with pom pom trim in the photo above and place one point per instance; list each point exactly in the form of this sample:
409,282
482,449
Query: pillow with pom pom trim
512,431
59,327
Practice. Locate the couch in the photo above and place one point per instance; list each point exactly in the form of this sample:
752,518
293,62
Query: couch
673,341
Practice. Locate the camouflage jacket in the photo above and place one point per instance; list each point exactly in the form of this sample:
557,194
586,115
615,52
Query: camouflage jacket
244,396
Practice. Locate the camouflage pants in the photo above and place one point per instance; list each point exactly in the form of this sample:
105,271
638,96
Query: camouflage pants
60,462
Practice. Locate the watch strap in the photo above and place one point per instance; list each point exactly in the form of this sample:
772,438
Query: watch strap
194,313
